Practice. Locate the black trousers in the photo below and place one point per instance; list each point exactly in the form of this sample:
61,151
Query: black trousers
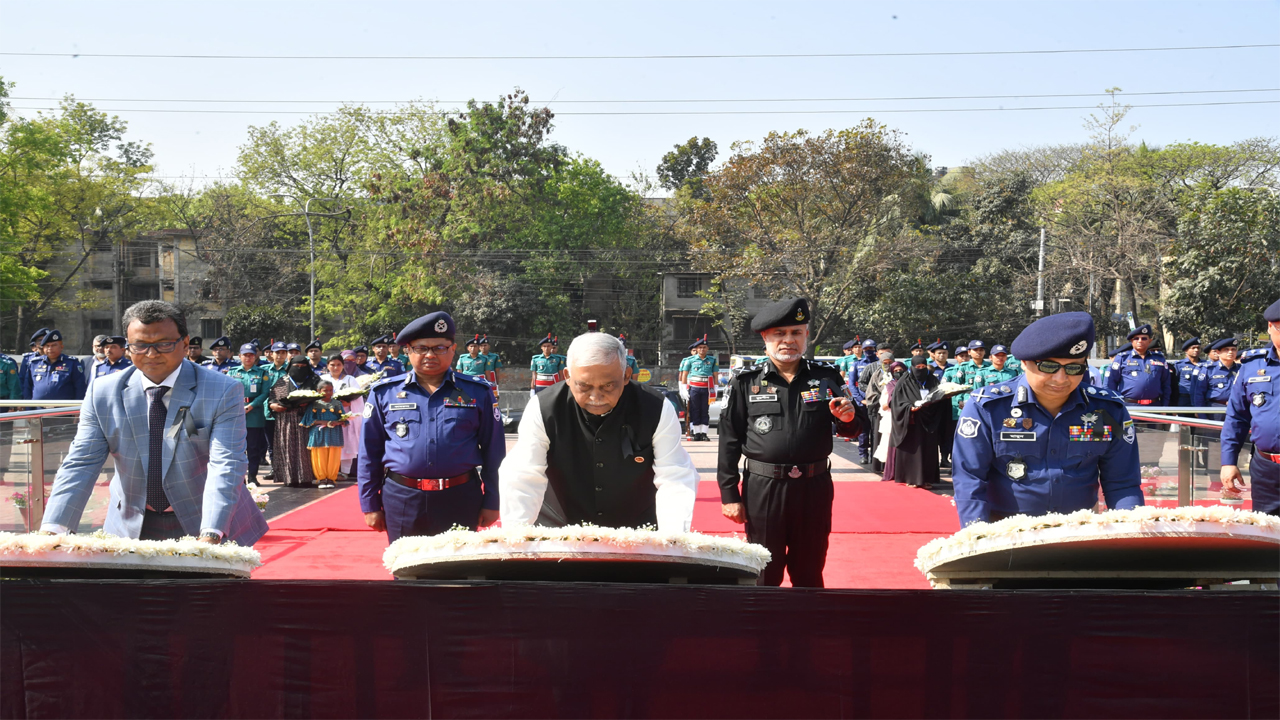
417,512
946,435
270,431
864,419
792,520
699,406
255,442
160,526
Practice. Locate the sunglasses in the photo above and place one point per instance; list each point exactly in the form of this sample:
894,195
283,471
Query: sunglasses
1049,367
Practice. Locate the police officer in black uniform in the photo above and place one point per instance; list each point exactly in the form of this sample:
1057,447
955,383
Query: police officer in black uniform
779,415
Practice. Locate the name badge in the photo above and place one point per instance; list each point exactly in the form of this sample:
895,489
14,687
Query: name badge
403,406
1260,378
1017,436
762,398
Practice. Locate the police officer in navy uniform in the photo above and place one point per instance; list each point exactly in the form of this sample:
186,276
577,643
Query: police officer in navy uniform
195,351
362,360
425,433
382,361
857,395
1141,375
35,350
315,357
221,361
779,415
115,360
1213,382
938,366
1253,414
1042,442
54,376
1184,372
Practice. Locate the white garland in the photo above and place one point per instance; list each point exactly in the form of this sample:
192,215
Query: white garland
510,539
1142,517
100,543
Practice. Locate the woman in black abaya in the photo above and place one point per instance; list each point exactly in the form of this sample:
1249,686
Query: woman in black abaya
914,433
290,460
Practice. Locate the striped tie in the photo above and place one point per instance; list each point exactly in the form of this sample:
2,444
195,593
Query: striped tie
155,450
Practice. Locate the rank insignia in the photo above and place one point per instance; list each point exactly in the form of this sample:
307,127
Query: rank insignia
755,389
1083,433
815,383
773,390
809,396
1027,423
1010,422
402,395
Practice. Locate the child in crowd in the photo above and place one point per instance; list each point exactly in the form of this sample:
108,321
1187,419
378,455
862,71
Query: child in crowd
324,419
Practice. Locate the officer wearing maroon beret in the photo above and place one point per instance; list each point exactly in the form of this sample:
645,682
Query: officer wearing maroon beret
779,415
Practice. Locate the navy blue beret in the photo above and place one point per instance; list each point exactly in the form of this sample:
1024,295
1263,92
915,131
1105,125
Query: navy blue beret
314,344
222,342
1193,341
850,345
434,325
383,339
700,341
39,335
1123,348
53,336
1272,314
360,349
1140,330
1065,335
293,346
474,340
868,343
1223,344
940,345
115,340
792,311
919,345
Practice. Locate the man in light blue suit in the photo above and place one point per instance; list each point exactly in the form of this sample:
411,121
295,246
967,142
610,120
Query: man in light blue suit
177,434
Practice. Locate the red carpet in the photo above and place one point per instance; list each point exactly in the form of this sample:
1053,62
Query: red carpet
876,530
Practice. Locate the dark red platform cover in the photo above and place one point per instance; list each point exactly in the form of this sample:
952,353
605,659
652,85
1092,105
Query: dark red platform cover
402,649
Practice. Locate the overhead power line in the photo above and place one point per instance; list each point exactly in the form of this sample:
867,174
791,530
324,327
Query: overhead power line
688,56
668,101
845,111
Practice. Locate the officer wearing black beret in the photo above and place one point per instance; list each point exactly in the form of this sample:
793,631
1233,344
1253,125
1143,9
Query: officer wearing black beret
1184,373
425,434
779,415
314,352
1044,441
221,361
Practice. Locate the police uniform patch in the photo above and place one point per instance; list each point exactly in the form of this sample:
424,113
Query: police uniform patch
1079,347
763,424
1016,469
1010,423
968,428
368,410
441,325
1258,399
497,414
402,428
1015,412
1130,434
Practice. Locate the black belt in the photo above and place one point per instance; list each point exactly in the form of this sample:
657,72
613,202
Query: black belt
793,472
429,484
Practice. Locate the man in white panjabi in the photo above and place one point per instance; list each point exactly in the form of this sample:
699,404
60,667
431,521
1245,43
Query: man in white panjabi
598,449
341,379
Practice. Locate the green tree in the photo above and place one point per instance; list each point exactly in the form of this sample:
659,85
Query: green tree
687,165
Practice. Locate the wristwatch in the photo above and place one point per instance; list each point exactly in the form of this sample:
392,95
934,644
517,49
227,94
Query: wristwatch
210,535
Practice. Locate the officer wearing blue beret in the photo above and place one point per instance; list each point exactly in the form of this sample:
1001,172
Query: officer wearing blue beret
362,359
115,360
1141,375
425,433
1211,385
1253,413
1042,442
221,362
382,362
315,357
35,350
54,376
1184,373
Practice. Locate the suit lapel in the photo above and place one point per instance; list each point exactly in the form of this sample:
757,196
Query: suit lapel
182,396
135,414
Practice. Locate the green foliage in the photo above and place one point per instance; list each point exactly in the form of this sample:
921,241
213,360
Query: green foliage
265,322
1224,266
687,165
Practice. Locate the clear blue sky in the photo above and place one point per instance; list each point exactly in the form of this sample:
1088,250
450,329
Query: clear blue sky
205,144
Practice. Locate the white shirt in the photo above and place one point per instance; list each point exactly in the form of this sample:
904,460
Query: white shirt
522,477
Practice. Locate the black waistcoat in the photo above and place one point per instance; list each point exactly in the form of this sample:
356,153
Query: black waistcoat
600,476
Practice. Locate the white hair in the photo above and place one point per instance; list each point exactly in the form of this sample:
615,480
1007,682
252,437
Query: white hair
596,348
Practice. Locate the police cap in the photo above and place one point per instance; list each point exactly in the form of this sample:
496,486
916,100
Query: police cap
1140,330
1224,343
868,344
1065,335
115,340
1190,343
196,341
792,311
1123,348
1272,314
977,345
278,346
919,345
360,349
248,348
384,339
314,344
53,336
700,341
293,346
622,339
39,335
222,342
434,325
999,350
474,341
548,340
850,345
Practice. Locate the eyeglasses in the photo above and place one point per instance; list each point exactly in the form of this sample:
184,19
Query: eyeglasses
436,350
145,348
1049,367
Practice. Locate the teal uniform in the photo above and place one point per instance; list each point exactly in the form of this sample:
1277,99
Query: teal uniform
476,366
9,387
635,368
991,376
701,367
494,362
257,384
544,369
963,374
273,374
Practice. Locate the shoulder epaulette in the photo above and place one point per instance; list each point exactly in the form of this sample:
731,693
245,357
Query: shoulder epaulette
1253,354
384,382
1102,393
824,363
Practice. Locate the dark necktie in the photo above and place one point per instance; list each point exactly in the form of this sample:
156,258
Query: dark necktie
155,449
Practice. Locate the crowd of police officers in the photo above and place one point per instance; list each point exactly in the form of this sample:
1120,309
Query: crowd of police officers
1035,429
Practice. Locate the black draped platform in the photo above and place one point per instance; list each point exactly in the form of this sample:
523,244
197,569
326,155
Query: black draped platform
196,648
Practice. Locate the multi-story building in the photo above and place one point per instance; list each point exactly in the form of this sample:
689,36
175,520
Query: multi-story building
683,321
